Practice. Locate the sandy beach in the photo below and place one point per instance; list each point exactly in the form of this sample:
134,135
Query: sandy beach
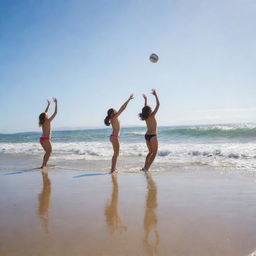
89,87
189,210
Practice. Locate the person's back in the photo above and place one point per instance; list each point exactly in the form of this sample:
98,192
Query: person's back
151,124
46,128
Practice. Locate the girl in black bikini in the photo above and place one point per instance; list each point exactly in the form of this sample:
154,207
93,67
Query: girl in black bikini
151,135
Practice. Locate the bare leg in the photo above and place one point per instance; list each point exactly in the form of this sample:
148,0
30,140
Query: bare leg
115,144
148,155
48,150
154,146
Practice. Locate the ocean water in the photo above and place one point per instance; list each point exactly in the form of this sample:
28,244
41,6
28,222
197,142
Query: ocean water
214,145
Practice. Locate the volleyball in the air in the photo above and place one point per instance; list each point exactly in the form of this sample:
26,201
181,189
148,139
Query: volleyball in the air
153,58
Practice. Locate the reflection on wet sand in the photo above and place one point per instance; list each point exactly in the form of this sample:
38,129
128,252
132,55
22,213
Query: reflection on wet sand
151,239
113,218
44,201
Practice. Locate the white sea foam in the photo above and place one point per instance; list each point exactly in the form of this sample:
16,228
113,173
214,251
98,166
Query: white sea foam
229,154
226,127
252,254
136,133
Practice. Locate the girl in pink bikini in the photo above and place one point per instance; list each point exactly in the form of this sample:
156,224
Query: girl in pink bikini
45,139
112,118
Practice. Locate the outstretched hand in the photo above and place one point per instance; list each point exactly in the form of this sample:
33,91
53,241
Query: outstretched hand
153,92
131,96
144,96
48,102
55,100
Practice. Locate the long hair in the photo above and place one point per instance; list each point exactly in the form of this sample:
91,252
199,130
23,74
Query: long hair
42,119
145,113
109,116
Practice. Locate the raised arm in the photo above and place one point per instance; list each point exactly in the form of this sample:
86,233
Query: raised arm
157,101
55,111
123,106
146,99
48,105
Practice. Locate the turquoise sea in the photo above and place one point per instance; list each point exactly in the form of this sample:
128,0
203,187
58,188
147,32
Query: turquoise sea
215,145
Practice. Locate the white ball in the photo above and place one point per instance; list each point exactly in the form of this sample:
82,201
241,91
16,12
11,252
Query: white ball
153,58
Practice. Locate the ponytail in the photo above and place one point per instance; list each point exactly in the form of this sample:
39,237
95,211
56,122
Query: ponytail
141,116
107,121
110,113
146,112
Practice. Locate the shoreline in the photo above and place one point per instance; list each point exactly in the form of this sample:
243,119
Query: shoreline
19,161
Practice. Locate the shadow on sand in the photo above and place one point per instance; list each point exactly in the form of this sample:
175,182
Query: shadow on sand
21,171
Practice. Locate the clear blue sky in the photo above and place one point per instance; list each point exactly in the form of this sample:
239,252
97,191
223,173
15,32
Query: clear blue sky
92,54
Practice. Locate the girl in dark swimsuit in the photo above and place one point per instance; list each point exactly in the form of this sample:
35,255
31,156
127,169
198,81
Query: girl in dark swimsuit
151,135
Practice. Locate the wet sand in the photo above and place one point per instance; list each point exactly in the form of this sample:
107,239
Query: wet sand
180,211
